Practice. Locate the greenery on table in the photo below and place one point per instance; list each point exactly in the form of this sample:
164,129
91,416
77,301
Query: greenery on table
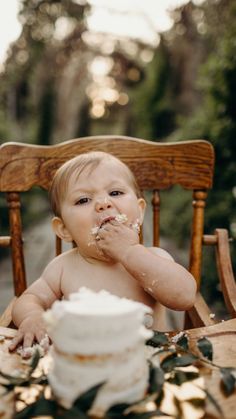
173,353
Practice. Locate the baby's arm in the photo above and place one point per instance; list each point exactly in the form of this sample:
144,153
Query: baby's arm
29,307
155,270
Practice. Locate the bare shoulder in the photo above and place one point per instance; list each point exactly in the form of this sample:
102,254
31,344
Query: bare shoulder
47,287
57,265
61,259
160,252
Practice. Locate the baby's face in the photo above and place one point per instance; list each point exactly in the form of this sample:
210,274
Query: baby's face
94,198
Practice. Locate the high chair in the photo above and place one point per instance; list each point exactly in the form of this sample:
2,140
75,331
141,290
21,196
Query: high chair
156,166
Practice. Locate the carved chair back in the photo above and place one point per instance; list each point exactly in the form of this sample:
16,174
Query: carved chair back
157,166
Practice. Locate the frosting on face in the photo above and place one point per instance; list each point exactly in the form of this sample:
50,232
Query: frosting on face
120,219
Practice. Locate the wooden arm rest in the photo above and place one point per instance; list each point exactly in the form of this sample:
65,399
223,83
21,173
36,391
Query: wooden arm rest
221,240
6,317
200,314
224,266
5,241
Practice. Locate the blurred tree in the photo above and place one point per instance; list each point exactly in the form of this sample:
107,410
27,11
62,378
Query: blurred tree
200,51
51,36
48,86
169,90
33,87
216,122
153,102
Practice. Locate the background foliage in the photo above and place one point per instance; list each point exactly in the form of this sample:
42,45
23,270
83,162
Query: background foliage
202,104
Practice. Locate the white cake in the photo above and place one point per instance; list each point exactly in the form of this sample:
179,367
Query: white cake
98,337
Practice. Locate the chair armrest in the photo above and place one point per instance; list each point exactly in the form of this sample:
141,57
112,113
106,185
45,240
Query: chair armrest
225,271
6,317
200,313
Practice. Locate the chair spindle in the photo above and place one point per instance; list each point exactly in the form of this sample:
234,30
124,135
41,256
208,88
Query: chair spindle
18,265
156,216
199,202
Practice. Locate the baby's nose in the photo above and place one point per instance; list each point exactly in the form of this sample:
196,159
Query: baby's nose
103,204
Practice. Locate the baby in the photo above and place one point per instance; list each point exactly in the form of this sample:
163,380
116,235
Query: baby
99,208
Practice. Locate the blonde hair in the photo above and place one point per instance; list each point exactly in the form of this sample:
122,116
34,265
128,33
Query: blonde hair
77,165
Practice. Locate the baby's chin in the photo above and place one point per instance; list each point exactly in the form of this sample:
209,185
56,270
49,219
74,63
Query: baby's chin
96,255
104,258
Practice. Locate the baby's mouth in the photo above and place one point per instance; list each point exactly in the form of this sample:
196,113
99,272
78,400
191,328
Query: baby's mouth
106,220
95,230
120,218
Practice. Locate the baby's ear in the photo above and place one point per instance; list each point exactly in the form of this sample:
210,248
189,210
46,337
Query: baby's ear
142,206
60,230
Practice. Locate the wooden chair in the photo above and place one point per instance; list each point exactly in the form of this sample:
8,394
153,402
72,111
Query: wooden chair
157,166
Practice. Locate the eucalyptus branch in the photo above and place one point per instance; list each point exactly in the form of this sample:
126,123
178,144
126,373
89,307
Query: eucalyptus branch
198,358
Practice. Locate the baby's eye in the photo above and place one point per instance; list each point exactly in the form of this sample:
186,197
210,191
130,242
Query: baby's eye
82,201
116,193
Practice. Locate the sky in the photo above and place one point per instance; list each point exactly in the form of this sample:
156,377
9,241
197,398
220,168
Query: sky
9,26
135,18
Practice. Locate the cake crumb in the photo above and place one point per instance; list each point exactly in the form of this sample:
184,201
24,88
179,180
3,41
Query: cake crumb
121,218
177,337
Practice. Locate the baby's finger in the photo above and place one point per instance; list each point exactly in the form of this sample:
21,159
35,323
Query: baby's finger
28,340
43,340
15,341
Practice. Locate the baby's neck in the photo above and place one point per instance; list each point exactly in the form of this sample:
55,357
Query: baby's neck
101,261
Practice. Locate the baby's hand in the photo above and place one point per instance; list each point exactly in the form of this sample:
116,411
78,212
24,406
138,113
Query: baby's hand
114,240
31,330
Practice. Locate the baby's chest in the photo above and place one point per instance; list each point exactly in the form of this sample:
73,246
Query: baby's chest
116,281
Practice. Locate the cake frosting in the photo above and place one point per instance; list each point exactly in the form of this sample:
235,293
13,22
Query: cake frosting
120,218
98,338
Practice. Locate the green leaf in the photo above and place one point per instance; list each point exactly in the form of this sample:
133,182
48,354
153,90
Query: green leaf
185,360
16,381
183,342
215,403
72,413
228,380
43,380
145,415
117,410
34,361
179,377
26,380
8,387
40,407
27,412
169,362
159,339
159,398
45,407
156,379
173,360
205,347
197,402
85,400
